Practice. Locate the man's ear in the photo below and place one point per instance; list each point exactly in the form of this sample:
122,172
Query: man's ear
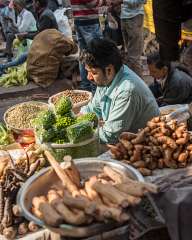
109,69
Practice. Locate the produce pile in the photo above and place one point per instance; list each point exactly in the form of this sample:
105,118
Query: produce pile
14,76
21,115
76,97
160,145
16,166
82,201
6,136
62,126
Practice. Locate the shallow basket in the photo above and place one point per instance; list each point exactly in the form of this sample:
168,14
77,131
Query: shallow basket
20,130
87,148
39,183
77,106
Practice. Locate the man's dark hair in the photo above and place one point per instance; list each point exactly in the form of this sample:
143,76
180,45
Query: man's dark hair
43,3
154,58
100,53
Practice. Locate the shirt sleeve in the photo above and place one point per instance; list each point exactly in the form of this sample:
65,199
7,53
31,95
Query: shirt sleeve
134,3
120,118
26,22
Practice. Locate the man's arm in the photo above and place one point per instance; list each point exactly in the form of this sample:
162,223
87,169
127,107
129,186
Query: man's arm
120,118
94,105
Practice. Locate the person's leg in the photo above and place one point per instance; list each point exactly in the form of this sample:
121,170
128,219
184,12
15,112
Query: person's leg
86,34
134,30
84,84
18,61
9,42
167,20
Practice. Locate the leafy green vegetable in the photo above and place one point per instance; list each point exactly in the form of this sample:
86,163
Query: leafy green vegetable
63,122
45,119
91,117
46,135
80,132
5,138
63,106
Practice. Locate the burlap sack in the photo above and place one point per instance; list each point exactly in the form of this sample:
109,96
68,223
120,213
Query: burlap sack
46,54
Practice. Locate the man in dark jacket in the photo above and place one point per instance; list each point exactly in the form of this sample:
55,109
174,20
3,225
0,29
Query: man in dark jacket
45,19
168,16
172,84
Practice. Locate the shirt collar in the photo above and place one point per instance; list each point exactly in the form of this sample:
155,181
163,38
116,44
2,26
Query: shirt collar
22,12
115,82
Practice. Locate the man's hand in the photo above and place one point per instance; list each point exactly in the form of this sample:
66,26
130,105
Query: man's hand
21,36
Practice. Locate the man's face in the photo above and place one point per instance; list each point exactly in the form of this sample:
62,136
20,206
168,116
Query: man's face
156,72
99,77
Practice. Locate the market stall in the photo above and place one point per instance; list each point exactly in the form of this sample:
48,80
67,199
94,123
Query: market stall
89,195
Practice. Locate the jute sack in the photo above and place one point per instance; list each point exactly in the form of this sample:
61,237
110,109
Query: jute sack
46,54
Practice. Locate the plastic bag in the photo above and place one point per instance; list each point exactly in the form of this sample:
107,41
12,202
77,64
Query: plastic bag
80,132
63,22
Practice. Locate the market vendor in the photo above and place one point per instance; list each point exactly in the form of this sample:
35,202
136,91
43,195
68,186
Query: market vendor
122,101
172,82
45,19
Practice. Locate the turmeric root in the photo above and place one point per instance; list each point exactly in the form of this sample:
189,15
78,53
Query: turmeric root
127,136
168,141
183,156
140,137
184,139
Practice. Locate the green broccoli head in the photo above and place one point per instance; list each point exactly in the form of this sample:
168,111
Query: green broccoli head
63,122
61,136
46,135
80,132
91,117
63,106
45,119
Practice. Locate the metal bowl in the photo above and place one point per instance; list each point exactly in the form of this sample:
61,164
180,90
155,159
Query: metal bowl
19,130
46,178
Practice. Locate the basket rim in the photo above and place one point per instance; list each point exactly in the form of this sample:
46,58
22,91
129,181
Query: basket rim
14,106
75,105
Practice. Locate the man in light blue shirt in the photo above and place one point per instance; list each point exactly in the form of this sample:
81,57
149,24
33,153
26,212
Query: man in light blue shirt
132,15
122,102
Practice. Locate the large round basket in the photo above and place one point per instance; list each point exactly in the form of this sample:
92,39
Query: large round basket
76,106
20,130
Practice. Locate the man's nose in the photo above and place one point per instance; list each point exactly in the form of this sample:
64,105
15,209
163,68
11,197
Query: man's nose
90,76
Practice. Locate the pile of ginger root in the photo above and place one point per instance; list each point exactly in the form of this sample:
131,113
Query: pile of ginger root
160,144
99,198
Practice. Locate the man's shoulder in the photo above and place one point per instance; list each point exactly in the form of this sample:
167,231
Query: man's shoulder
47,13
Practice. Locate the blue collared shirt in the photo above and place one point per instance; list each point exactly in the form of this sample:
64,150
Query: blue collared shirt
125,105
132,8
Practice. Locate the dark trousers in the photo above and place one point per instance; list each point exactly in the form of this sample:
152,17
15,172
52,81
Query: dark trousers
168,16
9,42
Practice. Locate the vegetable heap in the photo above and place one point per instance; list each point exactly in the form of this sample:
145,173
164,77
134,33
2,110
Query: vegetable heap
5,135
62,126
101,197
160,145
14,76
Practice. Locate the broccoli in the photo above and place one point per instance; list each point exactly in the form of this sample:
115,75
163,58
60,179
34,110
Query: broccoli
63,122
45,119
46,135
80,132
91,117
63,106
61,136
